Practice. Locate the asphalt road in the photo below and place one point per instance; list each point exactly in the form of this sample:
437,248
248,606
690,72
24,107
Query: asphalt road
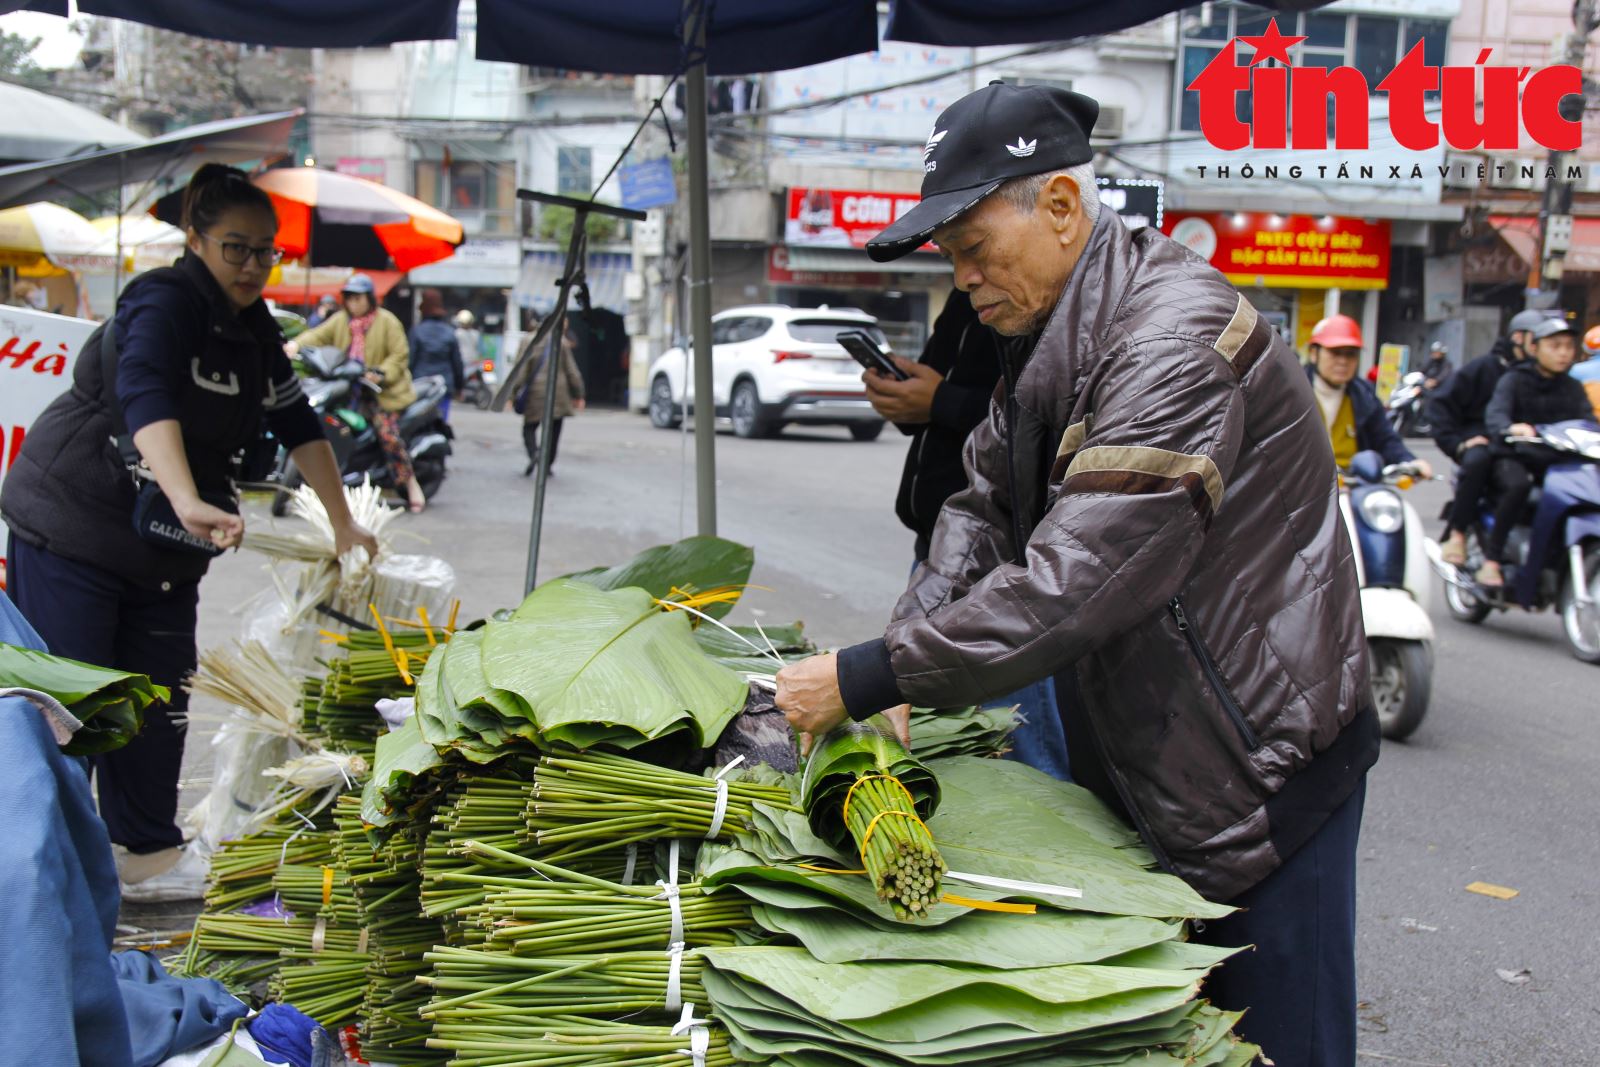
1496,786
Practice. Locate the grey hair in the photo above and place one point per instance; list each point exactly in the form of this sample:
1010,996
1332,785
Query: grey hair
1023,193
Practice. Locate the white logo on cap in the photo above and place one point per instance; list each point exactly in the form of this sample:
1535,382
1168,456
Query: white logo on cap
1023,149
933,142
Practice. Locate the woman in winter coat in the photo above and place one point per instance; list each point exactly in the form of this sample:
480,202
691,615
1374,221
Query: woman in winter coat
188,373
569,397
373,335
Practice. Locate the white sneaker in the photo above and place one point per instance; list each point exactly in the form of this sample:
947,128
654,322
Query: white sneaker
184,880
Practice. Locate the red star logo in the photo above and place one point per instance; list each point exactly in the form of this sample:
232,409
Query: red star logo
1271,45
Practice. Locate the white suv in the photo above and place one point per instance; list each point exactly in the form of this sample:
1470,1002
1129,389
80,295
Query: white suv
772,365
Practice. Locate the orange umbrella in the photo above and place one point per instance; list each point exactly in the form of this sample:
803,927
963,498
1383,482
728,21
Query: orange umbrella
339,220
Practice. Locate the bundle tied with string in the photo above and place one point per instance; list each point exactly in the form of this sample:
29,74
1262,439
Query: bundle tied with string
863,788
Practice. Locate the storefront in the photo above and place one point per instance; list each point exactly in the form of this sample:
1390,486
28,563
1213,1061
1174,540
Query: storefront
478,278
1294,268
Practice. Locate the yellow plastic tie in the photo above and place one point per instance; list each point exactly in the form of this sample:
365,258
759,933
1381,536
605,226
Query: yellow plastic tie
388,643
422,613
845,814
989,905
876,819
826,870
327,884
450,627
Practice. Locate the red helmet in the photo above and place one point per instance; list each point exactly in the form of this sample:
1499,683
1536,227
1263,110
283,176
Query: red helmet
1337,331
1591,341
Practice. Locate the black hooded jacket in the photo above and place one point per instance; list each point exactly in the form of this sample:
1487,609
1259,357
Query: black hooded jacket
1456,409
965,352
1525,395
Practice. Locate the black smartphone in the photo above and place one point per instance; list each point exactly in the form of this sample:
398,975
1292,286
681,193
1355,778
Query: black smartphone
866,352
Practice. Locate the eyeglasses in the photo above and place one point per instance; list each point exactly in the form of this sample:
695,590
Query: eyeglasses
239,254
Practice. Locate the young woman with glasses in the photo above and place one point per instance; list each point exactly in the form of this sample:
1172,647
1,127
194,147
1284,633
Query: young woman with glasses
199,374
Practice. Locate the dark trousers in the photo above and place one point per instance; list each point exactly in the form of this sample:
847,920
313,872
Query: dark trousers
530,440
94,616
1299,981
1472,485
1515,479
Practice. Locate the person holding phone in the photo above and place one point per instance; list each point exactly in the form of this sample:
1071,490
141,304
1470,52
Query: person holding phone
940,401
198,372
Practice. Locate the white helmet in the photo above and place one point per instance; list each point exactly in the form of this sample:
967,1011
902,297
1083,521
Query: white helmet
464,318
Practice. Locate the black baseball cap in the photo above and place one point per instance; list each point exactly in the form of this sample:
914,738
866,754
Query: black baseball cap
980,142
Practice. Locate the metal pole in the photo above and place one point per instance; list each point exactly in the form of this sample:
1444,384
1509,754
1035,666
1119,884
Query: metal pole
705,427
1555,211
577,251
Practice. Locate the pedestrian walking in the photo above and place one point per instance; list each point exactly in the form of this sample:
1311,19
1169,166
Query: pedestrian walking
108,546
434,350
569,396
1152,507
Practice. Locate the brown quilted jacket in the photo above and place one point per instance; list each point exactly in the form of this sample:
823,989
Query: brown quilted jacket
1186,553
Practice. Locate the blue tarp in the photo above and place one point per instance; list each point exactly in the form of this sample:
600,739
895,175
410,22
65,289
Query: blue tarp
644,36
65,999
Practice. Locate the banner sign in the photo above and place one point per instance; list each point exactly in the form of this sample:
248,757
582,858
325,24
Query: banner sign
1288,251
841,218
648,184
37,351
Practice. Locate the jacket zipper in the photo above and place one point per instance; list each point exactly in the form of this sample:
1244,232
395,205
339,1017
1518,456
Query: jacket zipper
1018,541
1214,676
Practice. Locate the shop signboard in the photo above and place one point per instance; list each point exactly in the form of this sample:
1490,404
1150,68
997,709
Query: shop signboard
1288,251
780,273
841,218
37,351
372,168
1392,363
648,184
1140,201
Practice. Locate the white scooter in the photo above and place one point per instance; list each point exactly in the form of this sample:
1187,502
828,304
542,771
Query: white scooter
1392,562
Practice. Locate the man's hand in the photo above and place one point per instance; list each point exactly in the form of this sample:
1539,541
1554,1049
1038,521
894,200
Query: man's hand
808,695
579,404
909,402
350,534
899,717
222,528
1423,467
1523,429
1474,441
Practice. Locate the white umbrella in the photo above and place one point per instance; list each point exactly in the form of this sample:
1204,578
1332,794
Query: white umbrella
41,239
35,125
146,241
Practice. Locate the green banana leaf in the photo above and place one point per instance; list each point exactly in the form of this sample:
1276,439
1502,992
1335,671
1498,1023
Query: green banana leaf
938,733
989,939
110,703
848,753
402,757
694,565
594,667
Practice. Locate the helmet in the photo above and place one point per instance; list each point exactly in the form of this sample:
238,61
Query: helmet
1337,331
1438,346
464,319
1556,323
1591,341
1526,320
359,283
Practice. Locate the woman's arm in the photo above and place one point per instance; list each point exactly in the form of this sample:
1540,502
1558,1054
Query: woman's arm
316,464
161,445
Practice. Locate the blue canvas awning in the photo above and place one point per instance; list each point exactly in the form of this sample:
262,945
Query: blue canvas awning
291,23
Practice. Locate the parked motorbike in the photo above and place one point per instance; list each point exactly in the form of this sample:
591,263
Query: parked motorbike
1406,401
482,381
1391,562
340,394
1552,556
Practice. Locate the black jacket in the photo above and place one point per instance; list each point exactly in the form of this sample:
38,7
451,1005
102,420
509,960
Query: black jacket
1456,409
1374,432
964,351
182,354
435,351
1525,395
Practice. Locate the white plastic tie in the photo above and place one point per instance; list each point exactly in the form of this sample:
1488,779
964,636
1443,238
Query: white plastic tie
675,975
721,810
633,859
669,893
699,1036
672,861
1043,889
319,934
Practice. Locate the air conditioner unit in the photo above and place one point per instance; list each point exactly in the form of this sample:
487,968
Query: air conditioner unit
1021,80
1109,126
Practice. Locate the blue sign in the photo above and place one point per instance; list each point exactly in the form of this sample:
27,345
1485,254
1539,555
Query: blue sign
648,184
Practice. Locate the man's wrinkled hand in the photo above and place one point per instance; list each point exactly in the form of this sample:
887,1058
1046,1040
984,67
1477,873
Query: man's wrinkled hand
899,718
808,695
909,402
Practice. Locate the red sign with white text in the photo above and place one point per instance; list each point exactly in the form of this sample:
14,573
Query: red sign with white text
1288,251
841,218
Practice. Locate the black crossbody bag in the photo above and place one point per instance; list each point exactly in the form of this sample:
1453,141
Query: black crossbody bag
154,518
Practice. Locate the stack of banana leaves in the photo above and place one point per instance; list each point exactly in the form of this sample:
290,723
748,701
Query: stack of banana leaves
109,704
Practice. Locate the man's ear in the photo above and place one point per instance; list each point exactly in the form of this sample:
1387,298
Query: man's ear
1063,203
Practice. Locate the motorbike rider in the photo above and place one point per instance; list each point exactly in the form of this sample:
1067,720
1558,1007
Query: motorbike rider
1538,390
1437,370
1456,413
1350,408
470,341
1588,372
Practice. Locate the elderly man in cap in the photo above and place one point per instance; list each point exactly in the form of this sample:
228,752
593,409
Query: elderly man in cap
1150,512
